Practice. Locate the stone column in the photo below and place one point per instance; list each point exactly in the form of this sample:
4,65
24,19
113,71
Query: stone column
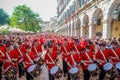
91,30
82,32
106,29
75,30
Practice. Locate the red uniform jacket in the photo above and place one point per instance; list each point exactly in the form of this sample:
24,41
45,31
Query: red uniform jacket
20,54
38,48
7,64
113,56
27,61
92,48
73,60
62,50
83,44
23,49
79,47
100,57
55,48
85,58
3,49
48,60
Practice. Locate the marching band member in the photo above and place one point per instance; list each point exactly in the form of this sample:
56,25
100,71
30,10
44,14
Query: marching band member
20,51
10,60
83,43
86,59
37,48
56,47
101,57
114,54
29,59
51,57
64,50
2,54
73,59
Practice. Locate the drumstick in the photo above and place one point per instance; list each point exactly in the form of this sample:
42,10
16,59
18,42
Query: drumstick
9,58
115,54
76,49
29,58
36,50
20,52
88,57
51,59
65,49
103,56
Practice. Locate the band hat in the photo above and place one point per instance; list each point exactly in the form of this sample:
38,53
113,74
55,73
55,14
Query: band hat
103,44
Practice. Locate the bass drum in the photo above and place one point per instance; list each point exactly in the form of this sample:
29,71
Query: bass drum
56,72
110,70
33,70
94,69
74,72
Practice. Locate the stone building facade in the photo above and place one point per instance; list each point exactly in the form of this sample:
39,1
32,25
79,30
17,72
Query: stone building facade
89,17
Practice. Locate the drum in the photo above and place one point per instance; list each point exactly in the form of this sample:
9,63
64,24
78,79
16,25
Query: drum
39,61
11,73
34,70
94,69
74,71
118,65
109,68
118,69
56,72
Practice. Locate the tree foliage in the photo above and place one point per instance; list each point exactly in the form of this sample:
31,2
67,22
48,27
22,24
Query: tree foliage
23,17
4,18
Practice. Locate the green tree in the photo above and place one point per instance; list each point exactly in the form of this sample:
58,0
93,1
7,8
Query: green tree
23,17
4,18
